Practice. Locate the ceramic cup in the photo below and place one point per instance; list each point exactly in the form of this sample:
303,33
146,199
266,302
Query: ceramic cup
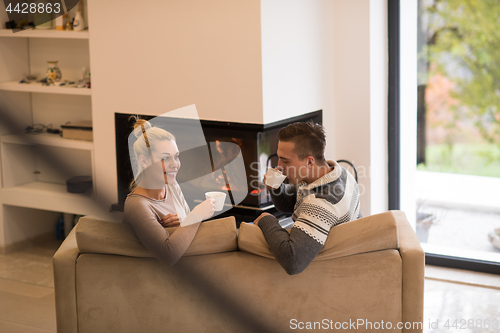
220,198
274,178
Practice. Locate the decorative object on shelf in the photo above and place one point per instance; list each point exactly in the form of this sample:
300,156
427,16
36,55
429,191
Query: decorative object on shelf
43,21
10,25
30,78
65,18
22,24
69,25
81,130
85,75
79,184
78,23
36,129
53,72
41,128
44,82
60,22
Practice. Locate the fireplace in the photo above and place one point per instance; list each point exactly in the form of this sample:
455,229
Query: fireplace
205,167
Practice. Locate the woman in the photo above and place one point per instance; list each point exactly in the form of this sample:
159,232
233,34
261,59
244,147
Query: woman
156,200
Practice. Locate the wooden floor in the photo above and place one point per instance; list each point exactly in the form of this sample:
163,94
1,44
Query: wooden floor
26,308
27,303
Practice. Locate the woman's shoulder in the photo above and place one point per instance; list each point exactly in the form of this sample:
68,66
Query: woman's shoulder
133,197
134,200
139,207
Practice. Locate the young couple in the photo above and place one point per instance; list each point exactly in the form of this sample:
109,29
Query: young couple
320,193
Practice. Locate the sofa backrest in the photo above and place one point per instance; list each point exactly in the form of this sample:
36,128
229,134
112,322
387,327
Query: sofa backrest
99,236
368,234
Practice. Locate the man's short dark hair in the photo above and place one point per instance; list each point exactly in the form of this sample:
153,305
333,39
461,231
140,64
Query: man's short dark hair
309,139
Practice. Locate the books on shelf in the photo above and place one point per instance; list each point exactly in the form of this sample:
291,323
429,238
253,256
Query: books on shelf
80,130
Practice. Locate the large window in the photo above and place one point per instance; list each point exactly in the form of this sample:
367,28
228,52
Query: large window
457,171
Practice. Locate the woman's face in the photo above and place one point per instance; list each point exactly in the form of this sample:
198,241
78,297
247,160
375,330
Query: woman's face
166,154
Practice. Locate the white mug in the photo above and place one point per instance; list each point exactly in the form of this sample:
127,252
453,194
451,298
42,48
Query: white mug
220,198
274,178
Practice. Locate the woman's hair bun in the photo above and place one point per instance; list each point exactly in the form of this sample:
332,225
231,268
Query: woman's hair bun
138,127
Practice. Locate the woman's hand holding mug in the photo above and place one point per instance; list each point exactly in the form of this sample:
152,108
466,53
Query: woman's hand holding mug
205,210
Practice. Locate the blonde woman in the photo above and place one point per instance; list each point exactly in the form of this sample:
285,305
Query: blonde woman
156,200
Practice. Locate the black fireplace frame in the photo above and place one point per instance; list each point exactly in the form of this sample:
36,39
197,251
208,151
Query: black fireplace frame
124,125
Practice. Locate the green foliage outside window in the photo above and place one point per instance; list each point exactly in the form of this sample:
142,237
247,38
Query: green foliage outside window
463,46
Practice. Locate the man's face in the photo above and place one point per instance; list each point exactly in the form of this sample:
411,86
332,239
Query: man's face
290,164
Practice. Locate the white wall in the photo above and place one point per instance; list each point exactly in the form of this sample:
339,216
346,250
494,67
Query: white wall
296,36
360,94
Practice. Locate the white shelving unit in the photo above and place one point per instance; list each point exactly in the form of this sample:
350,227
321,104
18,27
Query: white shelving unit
39,165
49,196
36,87
30,163
34,168
47,139
33,33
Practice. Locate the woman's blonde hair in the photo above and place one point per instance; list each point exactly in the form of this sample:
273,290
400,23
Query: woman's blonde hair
146,137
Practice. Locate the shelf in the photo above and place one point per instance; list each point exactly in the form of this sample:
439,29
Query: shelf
33,33
39,88
49,196
47,139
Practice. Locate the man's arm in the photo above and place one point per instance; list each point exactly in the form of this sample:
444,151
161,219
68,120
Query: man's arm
294,251
284,197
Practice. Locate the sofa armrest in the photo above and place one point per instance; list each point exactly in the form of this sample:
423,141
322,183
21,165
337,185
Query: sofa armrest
413,258
64,265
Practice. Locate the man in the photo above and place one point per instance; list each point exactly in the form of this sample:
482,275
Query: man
321,194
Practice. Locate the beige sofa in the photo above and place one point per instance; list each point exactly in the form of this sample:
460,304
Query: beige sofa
369,275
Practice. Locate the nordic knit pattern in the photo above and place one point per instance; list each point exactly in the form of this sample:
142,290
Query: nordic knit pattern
331,200
317,207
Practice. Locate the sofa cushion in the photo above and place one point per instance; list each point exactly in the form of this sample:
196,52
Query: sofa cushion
368,234
99,236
